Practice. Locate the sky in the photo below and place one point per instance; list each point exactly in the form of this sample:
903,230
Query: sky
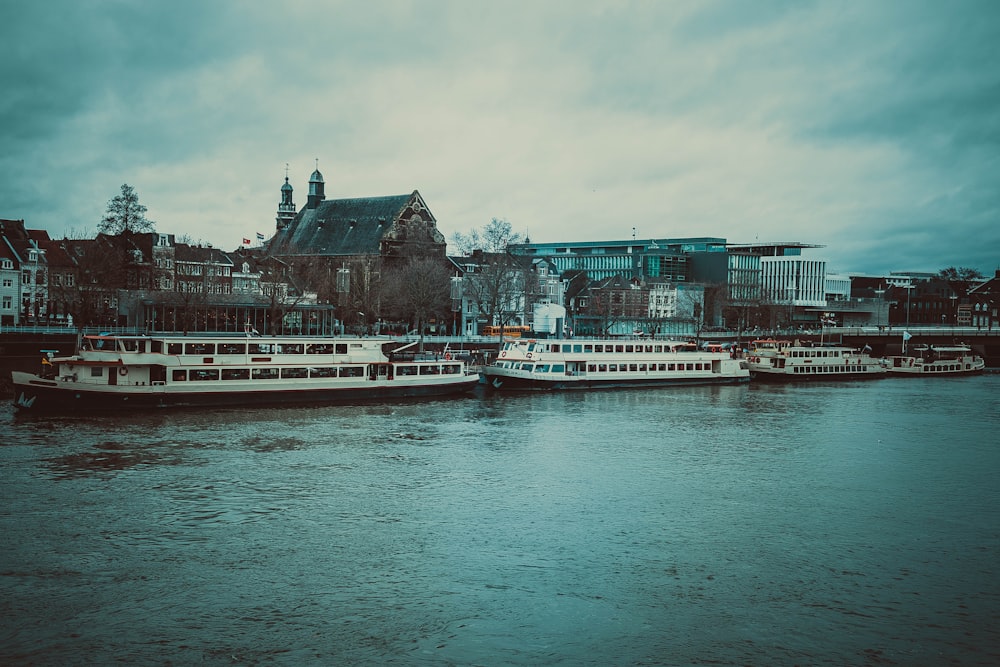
869,128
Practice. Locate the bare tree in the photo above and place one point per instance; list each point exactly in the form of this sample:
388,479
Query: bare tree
960,279
125,214
497,287
420,291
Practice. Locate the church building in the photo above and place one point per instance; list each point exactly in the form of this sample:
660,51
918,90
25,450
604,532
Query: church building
361,228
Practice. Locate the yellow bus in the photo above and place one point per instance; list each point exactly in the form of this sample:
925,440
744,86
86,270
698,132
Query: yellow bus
509,331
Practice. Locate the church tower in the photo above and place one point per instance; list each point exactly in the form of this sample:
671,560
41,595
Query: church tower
315,188
286,209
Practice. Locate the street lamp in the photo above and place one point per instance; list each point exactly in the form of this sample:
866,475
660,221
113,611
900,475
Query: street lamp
908,288
878,312
954,312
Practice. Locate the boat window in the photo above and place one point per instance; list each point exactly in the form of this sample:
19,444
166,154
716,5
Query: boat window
175,348
542,368
290,348
602,368
629,348
689,367
340,348
264,373
129,344
204,374
324,372
558,368
598,348
642,368
649,348
406,370
96,371
199,348
179,376
235,373
294,372
612,368
591,368
578,348
619,348
352,371
232,348
657,348
555,347
671,367
588,348
319,348
633,367
260,348
156,346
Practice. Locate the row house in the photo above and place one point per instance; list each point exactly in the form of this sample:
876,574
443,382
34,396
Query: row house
94,281
24,273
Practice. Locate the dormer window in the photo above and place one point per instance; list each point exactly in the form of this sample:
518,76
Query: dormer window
7,264
32,255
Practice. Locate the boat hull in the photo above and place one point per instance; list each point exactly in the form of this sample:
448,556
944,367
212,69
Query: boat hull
525,382
782,376
930,371
36,394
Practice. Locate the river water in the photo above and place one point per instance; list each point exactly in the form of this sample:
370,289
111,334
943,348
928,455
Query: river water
853,523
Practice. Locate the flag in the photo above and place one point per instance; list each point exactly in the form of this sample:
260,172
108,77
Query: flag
907,335
246,241
260,237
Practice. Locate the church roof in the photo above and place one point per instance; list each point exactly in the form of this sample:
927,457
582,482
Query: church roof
342,226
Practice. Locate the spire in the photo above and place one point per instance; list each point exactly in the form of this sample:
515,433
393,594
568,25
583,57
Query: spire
286,209
316,184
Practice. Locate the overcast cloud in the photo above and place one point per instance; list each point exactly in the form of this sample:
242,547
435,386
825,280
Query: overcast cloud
871,128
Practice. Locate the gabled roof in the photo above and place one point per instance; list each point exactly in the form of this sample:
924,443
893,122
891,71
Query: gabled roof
200,255
57,256
990,286
347,226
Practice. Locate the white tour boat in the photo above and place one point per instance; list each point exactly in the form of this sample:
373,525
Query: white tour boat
595,364
936,360
771,359
162,371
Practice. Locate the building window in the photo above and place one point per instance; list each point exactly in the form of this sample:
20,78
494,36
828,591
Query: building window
8,303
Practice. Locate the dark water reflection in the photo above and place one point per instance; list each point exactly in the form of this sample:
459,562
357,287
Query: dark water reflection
851,523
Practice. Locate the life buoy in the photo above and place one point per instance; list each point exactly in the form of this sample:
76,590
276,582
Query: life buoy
529,355
447,356
504,353
123,371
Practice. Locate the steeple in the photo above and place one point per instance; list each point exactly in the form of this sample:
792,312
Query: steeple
315,188
286,209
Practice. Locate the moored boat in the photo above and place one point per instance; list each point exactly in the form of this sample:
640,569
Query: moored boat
580,364
936,360
166,371
771,359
